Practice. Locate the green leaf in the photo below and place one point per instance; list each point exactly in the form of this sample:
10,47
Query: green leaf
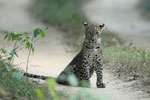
42,33
9,58
2,92
12,50
52,83
15,54
8,68
28,45
17,36
52,86
33,48
37,32
39,94
13,70
8,54
26,33
46,28
12,60
9,37
3,50
17,75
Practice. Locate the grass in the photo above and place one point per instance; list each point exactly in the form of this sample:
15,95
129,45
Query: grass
17,88
127,59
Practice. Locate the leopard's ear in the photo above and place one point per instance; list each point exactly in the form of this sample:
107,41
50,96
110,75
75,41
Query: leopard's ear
85,24
101,25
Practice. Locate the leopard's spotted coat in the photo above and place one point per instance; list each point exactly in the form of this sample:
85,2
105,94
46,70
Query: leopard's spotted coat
88,60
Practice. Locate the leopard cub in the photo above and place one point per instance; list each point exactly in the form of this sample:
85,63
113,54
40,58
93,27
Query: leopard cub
88,60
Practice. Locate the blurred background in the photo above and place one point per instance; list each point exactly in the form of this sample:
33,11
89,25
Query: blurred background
124,39
129,18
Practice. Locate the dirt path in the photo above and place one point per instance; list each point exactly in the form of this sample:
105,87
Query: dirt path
121,16
51,57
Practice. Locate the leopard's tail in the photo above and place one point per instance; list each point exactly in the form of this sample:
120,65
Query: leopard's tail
59,81
36,76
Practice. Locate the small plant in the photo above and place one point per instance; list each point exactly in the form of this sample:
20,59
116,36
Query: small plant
21,40
12,83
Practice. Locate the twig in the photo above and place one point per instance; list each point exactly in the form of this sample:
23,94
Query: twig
15,44
30,49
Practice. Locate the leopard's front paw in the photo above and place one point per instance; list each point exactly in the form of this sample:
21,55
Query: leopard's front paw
100,85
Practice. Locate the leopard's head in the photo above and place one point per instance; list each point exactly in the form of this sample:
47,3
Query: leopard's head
92,34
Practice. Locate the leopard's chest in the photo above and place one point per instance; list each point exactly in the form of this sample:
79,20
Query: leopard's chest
85,69
91,57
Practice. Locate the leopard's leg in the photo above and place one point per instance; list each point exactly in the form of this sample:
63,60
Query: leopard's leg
84,74
84,78
98,68
63,77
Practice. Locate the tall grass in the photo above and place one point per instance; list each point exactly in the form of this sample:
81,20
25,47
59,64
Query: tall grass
128,60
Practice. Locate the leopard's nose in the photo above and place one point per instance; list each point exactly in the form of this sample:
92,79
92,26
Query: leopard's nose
93,39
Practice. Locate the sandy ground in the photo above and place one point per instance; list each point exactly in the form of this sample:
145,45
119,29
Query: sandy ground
122,17
51,54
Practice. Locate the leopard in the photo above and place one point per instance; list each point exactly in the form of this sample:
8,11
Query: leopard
88,60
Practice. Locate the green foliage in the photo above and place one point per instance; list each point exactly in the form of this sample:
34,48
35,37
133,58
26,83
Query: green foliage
39,32
11,79
127,59
2,92
15,85
52,86
65,14
39,94
17,75
21,40
130,60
